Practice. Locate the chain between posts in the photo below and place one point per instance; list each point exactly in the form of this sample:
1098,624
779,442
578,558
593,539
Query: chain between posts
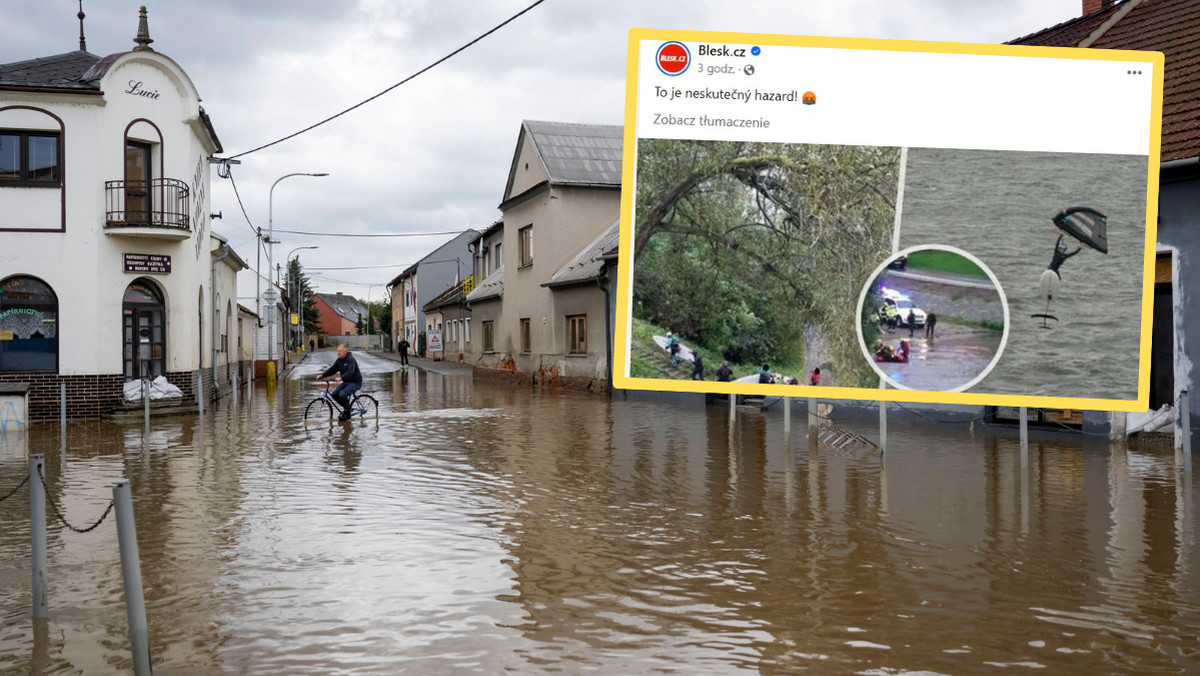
805,408
919,414
14,491
57,513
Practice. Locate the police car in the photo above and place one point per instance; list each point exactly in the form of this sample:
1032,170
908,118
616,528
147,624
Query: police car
903,305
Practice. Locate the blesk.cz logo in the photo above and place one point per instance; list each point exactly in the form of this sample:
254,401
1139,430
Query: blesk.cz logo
673,58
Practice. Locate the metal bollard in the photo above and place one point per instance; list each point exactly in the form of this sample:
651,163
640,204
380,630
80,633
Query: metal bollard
1024,437
200,394
1184,418
882,428
62,412
37,530
146,401
131,574
787,416
732,407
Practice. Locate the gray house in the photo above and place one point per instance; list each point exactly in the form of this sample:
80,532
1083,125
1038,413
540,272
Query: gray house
541,316
443,268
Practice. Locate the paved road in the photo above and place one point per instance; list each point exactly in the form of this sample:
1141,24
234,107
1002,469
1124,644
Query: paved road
313,364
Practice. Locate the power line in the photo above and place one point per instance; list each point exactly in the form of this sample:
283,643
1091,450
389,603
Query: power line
343,281
407,79
228,173
386,234
365,267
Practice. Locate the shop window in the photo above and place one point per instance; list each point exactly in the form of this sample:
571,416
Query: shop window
29,159
28,325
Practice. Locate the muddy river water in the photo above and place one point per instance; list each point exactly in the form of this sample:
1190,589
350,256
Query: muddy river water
480,528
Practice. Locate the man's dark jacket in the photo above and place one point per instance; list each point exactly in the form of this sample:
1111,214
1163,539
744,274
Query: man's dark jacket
346,367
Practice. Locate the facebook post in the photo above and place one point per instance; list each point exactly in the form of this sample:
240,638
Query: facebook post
906,221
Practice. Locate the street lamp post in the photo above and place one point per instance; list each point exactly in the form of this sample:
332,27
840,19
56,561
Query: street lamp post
270,251
296,294
369,286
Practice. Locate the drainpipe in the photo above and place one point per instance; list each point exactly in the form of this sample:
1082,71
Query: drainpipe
607,328
212,282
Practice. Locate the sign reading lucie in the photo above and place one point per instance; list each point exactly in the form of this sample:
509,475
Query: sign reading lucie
795,222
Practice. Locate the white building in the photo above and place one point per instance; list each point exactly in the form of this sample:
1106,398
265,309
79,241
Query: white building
107,262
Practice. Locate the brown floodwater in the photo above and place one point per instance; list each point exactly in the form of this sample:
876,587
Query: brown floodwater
480,528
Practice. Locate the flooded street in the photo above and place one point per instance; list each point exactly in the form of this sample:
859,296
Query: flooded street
483,528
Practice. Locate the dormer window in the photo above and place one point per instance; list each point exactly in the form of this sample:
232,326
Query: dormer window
29,158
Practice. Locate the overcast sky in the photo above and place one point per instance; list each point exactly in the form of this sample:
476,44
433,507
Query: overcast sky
432,155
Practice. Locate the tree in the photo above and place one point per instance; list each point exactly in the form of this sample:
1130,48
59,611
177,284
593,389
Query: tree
379,315
760,250
296,279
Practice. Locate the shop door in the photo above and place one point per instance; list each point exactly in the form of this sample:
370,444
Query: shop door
143,331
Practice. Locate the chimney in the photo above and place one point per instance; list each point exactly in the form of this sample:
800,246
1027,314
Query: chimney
339,293
1090,6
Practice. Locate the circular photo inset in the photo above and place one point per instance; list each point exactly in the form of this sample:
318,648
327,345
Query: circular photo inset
933,318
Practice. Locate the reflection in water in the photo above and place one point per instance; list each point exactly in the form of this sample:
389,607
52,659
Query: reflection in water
486,528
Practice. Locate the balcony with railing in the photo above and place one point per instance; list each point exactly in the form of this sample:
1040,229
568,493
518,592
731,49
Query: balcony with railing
157,209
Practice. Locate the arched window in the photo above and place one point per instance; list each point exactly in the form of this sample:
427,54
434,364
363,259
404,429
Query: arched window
28,325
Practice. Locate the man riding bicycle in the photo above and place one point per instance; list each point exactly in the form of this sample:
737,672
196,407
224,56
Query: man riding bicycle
346,370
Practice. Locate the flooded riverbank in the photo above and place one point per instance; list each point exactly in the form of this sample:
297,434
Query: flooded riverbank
476,528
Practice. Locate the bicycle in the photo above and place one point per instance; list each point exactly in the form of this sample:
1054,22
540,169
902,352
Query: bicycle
360,405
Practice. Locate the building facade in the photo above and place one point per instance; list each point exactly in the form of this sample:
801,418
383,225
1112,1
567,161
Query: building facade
448,313
108,269
421,282
339,315
541,321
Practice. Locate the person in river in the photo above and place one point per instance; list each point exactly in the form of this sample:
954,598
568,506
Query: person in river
1061,255
930,322
697,366
764,374
724,374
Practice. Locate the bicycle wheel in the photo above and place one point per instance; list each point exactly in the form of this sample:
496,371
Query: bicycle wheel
318,409
366,405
